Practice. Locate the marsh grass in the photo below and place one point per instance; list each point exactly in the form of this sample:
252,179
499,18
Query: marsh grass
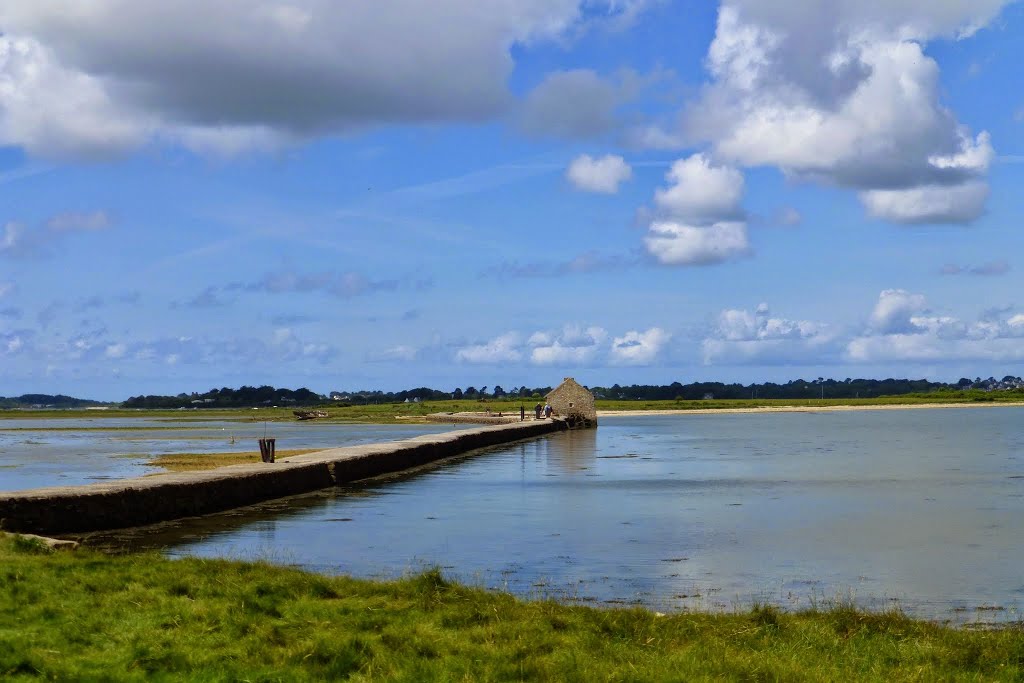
191,462
85,616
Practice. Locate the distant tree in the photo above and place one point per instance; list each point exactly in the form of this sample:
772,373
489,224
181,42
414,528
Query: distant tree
457,394
498,391
470,391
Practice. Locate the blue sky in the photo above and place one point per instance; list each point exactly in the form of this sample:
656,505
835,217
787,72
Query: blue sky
469,192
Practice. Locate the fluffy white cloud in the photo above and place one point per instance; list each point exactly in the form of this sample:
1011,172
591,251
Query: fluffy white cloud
700,192
895,311
501,349
678,244
928,203
574,345
843,92
639,348
742,336
56,111
900,330
570,345
602,175
91,79
701,221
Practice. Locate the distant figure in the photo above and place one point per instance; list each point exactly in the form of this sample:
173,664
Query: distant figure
547,410
522,413
536,410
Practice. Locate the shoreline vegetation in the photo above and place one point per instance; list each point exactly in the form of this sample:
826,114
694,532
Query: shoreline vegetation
397,413
86,615
83,615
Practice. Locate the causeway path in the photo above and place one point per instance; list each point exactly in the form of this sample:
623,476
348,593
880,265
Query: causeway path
174,495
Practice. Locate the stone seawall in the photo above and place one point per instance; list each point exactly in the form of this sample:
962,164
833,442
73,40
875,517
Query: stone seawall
163,497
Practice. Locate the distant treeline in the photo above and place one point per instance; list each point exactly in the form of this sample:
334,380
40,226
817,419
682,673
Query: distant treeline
800,388
244,397
794,389
45,401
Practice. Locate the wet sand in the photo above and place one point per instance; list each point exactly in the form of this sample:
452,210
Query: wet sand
809,408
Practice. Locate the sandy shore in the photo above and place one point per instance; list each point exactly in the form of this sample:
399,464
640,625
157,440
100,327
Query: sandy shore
803,409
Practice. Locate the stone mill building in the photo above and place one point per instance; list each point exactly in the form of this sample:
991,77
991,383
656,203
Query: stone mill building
572,401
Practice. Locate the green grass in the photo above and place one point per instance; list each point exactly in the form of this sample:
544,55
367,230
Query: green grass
192,462
84,616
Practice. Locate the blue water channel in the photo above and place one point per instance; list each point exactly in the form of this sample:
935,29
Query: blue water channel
921,509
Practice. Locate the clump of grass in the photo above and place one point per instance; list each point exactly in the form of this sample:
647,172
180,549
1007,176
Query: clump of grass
87,616
191,462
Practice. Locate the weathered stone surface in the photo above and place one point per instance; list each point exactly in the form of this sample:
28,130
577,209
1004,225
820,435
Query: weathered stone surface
571,401
163,497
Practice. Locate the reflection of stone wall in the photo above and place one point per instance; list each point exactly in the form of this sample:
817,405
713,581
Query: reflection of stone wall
573,402
163,497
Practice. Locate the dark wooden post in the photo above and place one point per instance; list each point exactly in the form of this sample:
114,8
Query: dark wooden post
267,449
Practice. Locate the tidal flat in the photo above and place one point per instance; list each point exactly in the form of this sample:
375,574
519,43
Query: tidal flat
916,510
54,451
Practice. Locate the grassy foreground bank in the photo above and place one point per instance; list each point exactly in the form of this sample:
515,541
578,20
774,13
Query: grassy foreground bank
86,616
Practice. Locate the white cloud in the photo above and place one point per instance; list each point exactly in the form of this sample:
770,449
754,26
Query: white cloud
574,345
700,192
901,331
55,111
501,349
98,78
844,93
701,221
741,336
603,175
639,348
571,345
678,244
895,311
928,203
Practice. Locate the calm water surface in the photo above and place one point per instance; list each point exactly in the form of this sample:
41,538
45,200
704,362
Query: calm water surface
924,508
66,452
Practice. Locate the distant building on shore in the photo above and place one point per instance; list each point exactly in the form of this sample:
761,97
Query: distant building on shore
572,401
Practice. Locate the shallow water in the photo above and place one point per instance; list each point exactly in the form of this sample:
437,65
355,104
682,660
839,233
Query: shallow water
920,508
66,452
